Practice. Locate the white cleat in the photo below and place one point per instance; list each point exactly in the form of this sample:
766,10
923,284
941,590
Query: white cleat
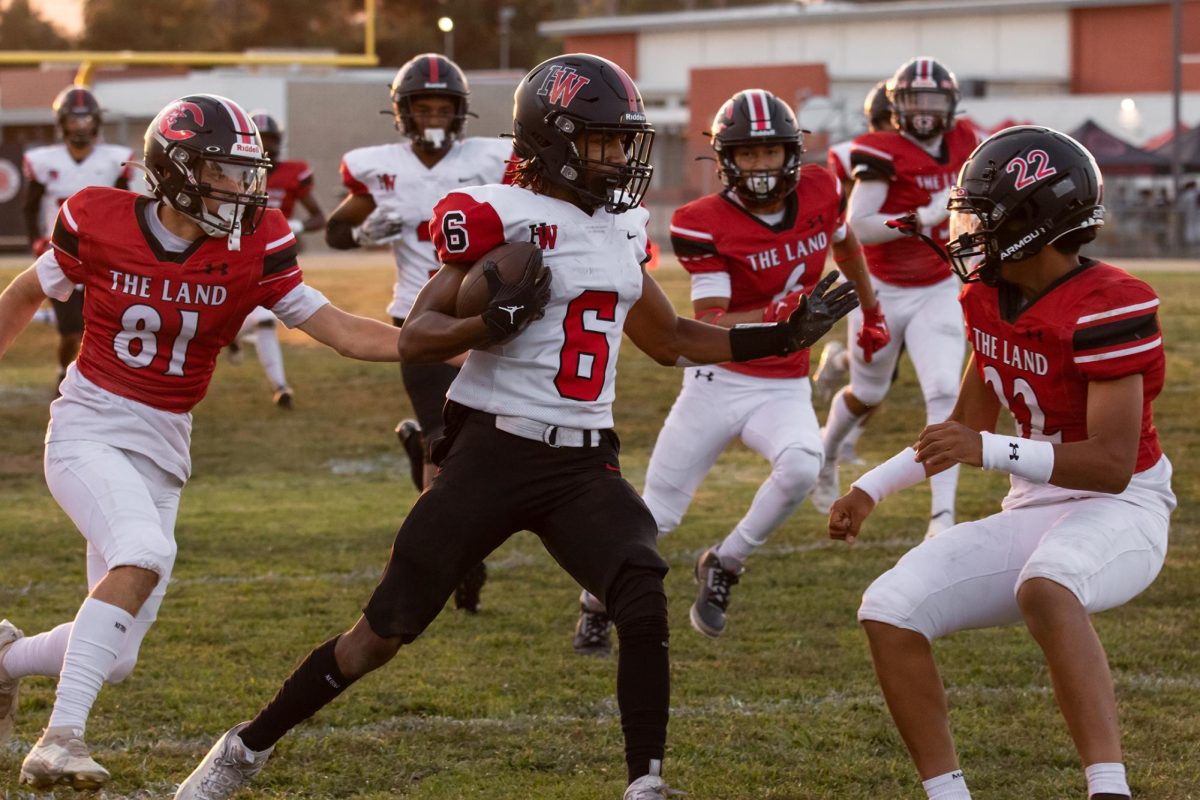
832,371
827,489
227,767
8,685
652,786
60,757
939,522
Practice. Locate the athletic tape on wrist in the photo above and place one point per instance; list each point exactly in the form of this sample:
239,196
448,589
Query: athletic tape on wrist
1028,458
898,472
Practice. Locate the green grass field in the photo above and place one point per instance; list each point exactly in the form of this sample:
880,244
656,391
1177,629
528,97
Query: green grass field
287,522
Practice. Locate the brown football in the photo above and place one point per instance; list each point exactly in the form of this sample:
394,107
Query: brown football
511,258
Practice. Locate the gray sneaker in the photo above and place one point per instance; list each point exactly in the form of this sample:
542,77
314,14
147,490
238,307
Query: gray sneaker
8,685
61,757
227,767
712,597
593,631
652,786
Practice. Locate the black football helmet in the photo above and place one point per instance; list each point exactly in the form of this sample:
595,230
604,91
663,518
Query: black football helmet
205,147
429,74
271,133
755,116
1022,189
569,100
877,108
77,103
924,96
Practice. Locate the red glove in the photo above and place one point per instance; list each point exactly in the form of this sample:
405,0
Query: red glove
782,308
874,335
40,245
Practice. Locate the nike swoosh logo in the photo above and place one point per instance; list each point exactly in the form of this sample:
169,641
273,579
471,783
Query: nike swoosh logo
631,236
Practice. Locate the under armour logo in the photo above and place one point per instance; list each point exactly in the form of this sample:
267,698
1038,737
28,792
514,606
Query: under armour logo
1014,455
209,269
120,627
512,313
702,374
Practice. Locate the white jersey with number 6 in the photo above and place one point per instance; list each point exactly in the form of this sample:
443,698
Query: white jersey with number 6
562,369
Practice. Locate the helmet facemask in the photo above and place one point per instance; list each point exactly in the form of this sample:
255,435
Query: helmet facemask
924,113
759,186
226,196
599,181
80,130
422,136
968,245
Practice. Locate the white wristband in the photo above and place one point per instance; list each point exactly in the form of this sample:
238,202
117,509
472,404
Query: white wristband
1030,459
898,472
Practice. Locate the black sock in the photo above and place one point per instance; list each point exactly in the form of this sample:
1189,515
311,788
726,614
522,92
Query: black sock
311,686
643,690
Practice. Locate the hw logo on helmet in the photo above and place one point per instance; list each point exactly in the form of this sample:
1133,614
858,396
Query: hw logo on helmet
561,84
181,121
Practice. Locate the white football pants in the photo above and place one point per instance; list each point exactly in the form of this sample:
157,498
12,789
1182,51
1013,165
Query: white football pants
773,417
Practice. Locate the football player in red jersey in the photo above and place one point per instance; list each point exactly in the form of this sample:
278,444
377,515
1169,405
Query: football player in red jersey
898,172
1073,348
55,172
288,182
168,281
528,441
833,367
753,250
392,190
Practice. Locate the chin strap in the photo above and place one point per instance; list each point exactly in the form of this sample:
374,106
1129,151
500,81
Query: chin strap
909,225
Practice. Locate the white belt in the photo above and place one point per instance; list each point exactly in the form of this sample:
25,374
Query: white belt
553,435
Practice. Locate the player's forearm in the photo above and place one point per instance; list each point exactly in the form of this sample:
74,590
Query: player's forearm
848,256
865,217
430,336
697,343
18,303
339,235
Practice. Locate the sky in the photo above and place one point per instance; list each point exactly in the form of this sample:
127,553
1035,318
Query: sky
66,14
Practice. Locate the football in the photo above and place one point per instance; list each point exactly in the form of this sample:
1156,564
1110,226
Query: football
511,260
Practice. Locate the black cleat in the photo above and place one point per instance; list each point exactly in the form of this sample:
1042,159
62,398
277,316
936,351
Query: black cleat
466,596
593,632
712,598
283,397
409,434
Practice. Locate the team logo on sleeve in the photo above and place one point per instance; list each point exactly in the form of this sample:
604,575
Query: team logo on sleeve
181,121
562,84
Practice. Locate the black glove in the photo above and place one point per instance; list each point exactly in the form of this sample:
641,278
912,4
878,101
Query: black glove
812,319
818,311
515,305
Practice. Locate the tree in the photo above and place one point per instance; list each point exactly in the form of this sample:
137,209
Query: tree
22,28
137,25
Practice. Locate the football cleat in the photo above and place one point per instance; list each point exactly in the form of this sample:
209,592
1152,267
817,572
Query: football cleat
832,371
593,631
939,522
651,786
409,434
60,757
9,686
827,489
712,598
283,397
227,767
466,596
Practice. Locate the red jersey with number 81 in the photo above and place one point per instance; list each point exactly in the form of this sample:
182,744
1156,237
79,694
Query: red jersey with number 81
562,369
155,321
1099,323
913,177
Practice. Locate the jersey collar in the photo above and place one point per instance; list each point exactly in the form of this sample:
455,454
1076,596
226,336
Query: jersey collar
160,252
1013,304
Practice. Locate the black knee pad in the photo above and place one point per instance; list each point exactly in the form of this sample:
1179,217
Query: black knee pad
637,597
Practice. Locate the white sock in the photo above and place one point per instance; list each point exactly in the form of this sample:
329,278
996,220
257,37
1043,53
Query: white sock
840,422
951,786
266,344
96,639
942,488
1106,778
38,655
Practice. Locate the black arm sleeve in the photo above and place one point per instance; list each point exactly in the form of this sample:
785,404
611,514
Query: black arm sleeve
339,235
34,192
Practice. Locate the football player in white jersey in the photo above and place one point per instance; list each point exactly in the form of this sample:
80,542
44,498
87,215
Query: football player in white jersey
55,172
528,443
393,188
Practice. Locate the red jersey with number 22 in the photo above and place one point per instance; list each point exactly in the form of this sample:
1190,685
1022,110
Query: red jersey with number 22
155,321
1098,323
